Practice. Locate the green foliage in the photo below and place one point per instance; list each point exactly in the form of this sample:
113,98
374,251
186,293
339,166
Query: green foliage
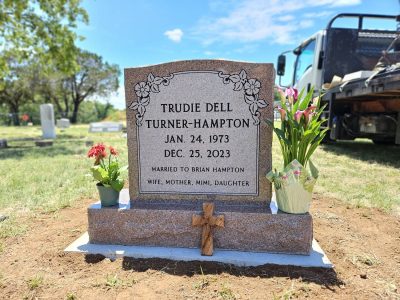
300,132
71,296
18,88
113,281
35,282
40,28
39,36
94,111
27,86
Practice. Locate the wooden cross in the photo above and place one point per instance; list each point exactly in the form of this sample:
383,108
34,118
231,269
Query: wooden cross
207,221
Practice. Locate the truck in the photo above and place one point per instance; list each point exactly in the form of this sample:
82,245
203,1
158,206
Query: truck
356,70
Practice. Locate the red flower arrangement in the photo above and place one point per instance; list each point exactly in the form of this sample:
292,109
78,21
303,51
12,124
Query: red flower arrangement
106,172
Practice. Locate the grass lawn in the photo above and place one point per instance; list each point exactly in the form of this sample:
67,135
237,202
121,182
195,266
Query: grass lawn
47,179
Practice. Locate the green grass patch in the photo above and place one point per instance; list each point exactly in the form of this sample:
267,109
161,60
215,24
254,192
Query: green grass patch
50,178
35,282
11,227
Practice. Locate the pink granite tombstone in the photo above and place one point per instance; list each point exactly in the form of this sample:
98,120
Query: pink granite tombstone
196,133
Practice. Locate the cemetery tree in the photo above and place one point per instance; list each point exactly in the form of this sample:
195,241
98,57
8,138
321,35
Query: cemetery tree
94,78
18,88
52,88
41,29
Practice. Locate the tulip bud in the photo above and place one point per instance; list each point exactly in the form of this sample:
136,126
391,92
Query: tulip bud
292,94
283,113
309,112
298,115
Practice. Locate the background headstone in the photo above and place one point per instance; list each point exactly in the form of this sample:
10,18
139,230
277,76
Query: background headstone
47,121
63,123
105,127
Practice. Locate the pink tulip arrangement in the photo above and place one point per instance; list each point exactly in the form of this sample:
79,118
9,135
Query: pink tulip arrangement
300,132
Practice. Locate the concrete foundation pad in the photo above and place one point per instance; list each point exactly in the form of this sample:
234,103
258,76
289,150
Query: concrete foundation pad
317,257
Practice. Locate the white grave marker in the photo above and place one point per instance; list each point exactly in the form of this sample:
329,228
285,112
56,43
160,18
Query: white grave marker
47,121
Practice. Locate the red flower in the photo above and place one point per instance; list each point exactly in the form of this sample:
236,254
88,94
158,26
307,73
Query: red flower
98,151
25,118
113,151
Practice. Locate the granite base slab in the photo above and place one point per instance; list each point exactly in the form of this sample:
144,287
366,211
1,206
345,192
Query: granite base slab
316,259
249,226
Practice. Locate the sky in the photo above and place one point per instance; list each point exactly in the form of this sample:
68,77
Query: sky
138,33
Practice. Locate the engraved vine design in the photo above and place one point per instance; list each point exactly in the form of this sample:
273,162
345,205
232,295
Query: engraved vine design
143,89
251,88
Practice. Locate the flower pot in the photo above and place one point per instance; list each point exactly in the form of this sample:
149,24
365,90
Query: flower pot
108,196
294,186
293,198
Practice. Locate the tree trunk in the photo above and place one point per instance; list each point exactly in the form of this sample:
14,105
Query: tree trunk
66,103
15,116
74,117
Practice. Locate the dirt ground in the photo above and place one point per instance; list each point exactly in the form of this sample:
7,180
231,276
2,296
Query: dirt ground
362,243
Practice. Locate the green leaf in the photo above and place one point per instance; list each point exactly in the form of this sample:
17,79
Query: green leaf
281,135
99,174
117,185
313,170
306,101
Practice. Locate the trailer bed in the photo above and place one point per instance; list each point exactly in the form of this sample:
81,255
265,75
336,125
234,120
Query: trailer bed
385,86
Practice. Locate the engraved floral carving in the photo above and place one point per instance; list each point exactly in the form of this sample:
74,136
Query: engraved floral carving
251,89
143,90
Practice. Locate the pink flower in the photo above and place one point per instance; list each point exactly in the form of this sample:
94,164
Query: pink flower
309,112
297,172
298,115
282,112
291,93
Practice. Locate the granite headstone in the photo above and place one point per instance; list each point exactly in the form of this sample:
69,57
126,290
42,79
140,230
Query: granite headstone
47,121
197,134
197,130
